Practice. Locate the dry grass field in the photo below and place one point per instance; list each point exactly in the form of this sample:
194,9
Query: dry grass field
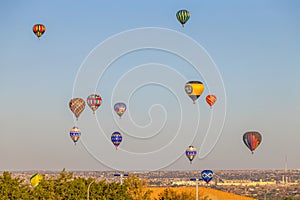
204,193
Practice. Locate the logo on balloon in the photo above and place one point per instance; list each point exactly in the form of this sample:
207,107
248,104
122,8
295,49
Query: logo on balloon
207,175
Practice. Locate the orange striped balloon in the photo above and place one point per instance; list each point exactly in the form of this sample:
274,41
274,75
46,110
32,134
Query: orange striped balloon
39,30
211,99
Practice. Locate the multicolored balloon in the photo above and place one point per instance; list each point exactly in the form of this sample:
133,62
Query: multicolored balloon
75,134
183,16
39,30
252,139
77,106
116,139
211,99
94,101
194,89
190,153
120,108
35,180
207,175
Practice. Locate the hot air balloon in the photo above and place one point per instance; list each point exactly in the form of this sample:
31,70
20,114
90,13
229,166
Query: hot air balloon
116,139
194,89
75,134
183,16
120,108
94,101
211,99
252,139
207,175
77,105
39,30
191,153
35,180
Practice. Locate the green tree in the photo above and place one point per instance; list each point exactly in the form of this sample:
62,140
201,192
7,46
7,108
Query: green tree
137,188
168,194
171,194
205,198
13,188
66,187
45,190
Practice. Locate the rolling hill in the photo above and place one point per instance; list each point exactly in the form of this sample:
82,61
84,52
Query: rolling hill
204,193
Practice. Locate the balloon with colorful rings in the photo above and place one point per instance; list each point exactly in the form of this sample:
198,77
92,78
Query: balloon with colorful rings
94,102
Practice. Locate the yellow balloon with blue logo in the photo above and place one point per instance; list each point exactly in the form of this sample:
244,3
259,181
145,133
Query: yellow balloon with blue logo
194,89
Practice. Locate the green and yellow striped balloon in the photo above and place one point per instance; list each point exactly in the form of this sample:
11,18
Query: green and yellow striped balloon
35,180
183,16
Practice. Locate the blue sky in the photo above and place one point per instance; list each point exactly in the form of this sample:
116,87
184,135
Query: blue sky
254,44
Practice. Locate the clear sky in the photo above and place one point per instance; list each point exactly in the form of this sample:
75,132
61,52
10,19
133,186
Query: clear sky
249,48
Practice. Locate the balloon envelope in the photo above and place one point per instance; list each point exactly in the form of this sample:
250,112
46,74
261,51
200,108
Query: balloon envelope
194,89
211,99
75,134
116,139
35,180
183,16
77,106
38,30
191,152
252,139
120,108
94,101
207,175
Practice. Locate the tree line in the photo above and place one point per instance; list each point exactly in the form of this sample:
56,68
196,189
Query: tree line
66,187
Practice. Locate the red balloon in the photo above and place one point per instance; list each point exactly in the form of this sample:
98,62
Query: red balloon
211,99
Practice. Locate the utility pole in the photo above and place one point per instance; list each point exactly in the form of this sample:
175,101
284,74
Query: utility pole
121,175
285,170
265,196
197,181
285,176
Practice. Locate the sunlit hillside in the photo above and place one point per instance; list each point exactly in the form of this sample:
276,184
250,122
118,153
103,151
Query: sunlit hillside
204,193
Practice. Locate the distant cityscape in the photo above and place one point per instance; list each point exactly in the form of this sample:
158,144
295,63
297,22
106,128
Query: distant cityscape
258,184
